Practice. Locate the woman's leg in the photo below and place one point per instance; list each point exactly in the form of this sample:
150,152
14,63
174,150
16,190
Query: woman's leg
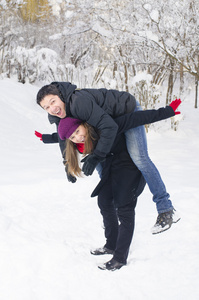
137,148
110,220
126,216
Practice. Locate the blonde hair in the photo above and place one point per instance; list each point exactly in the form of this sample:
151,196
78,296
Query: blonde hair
72,154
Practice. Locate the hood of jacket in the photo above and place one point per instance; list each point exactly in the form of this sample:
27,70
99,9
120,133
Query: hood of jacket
66,89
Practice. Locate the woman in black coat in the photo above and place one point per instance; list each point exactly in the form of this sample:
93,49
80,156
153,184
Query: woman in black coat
120,185
121,181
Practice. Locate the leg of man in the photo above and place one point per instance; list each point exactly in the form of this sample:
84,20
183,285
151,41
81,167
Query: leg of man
137,148
99,170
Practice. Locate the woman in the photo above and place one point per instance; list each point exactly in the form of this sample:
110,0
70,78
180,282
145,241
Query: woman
116,204
121,181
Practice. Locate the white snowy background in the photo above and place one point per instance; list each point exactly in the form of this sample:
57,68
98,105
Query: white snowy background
48,225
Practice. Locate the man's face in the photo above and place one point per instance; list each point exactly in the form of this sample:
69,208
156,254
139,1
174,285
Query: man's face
54,106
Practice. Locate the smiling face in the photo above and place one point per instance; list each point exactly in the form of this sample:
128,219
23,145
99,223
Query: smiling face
54,106
79,135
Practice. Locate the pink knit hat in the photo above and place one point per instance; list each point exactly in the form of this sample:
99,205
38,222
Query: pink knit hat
67,126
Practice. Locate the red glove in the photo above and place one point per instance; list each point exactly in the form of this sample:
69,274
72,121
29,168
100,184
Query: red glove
174,104
39,135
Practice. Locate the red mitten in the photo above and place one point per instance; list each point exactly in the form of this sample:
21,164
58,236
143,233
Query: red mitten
39,135
174,104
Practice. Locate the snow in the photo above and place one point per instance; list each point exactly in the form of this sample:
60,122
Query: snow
101,30
149,35
48,225
154,15
142,76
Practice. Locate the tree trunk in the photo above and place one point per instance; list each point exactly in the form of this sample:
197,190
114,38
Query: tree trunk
170,84
181,80
196,95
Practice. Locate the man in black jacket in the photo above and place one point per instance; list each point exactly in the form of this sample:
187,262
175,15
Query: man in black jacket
99,108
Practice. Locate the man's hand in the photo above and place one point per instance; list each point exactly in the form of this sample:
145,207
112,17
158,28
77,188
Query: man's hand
174,104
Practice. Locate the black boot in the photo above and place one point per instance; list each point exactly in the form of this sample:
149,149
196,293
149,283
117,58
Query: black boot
112,265
102,251
164,221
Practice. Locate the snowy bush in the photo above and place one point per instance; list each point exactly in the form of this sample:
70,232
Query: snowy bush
145,91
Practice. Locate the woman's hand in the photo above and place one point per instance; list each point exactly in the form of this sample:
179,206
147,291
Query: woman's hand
39,135
90,162
70,177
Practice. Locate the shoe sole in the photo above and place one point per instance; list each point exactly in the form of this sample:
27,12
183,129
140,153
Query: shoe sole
101,253
103,267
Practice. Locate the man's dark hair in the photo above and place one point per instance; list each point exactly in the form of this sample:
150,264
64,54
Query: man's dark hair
49,89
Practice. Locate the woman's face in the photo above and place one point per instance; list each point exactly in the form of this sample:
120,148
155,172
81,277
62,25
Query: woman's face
79,135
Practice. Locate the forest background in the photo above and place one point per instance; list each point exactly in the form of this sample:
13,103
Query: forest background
48,225
103,44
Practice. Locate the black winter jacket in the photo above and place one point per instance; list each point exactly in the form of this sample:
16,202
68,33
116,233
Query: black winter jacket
119,171
97,107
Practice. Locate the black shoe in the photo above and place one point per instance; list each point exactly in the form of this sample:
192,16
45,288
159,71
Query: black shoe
164,221
102,251
111,265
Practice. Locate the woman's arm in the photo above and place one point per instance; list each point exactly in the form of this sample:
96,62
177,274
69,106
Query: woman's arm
138,118
50,138
47,138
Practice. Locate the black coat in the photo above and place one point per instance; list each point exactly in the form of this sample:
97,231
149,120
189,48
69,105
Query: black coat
97,107
126,181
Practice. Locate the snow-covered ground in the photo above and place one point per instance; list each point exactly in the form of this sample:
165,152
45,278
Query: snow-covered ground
48,226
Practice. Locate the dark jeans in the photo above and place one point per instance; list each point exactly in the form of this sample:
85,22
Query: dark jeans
118,234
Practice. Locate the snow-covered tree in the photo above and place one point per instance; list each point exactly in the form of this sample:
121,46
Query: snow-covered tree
100,43
174,29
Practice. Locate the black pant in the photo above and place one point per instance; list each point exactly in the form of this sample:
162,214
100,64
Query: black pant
118,234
